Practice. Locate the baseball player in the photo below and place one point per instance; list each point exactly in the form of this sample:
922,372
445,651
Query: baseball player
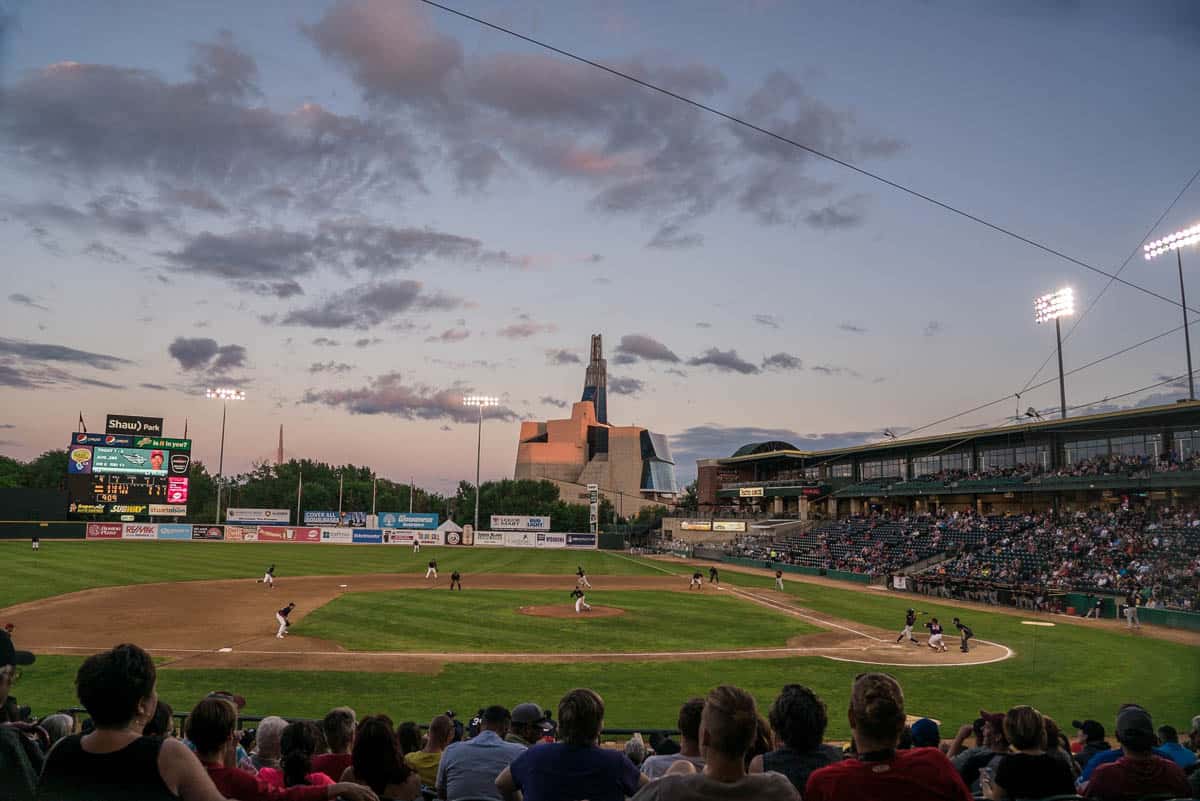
282,617
417,545
582,580
779,580
35,542
268,577
697,581
965,632
1131,609
935,635
713,576
910,620
432,571
581,604
456,578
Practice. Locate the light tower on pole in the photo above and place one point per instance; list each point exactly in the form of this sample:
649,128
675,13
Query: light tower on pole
1053,307
1177,242
223,394
479,401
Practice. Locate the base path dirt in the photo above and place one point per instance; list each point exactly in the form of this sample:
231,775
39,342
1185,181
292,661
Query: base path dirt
231,624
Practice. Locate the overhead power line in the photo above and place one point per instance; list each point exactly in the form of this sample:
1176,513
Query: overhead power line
806,148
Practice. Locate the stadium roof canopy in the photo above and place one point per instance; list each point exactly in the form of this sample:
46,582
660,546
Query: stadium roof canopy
755,448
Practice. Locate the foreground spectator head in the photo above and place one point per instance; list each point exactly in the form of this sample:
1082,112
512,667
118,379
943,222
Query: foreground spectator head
376,758
338,727
580,717
163,722
528,721
1025,729
798,718
688,723
267,740
1135,730
497,719
635,749
925,734
729,724
876,712
11,661
57,726
993,731
1088,730
408,734
117,687
441,731
298,743
1168,734
210,726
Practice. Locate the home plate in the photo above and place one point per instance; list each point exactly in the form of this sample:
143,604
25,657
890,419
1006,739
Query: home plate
224,650
343,585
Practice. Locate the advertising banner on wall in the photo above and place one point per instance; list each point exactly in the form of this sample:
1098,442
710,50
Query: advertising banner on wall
320,518
395,536
409,520
520,539
103,531
174,531
241,533
288,534
162,443
129,461
581,540
371,536
729,525
280,517
79,460
337,535
139,531
520,523
168,510
208,532
489,537
551,540
455,538
354,519
695,525
133,424
112,440
177,489
128,508
430,537
750,492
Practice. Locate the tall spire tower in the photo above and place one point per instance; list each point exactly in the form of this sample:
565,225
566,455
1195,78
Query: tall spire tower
279,453
595,382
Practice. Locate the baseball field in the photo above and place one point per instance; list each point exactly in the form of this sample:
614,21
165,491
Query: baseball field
372,632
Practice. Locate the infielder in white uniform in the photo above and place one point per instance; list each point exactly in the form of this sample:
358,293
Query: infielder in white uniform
581,604
36,543
416,546
282,617
268,577
697,581
583,579
432,571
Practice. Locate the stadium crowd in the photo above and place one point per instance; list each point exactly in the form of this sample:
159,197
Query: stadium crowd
127,750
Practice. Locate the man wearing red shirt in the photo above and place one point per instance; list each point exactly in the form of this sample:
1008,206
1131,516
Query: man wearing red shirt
212,729
1140,772
880,771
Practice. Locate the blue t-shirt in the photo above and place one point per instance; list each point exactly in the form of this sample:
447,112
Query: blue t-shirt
1177,754
563,772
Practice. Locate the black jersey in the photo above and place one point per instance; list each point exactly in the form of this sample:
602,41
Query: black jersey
964,629
455,576
271,570
579,572
910,619
697,575
285,611
778,574
433,563
712,571
576,593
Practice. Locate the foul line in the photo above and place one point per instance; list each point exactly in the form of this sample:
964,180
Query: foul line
771,603
644,564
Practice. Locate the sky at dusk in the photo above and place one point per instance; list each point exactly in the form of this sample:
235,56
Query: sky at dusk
358,211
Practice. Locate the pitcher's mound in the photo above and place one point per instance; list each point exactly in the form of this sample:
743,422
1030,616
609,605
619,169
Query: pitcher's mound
568,611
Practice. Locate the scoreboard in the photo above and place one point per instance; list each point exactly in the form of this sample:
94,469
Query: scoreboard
128,475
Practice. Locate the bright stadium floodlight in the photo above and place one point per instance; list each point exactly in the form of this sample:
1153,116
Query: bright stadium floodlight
1055,306
223,394
479,401
1177,242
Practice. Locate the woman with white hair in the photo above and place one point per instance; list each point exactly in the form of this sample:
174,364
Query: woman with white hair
57,726
267,742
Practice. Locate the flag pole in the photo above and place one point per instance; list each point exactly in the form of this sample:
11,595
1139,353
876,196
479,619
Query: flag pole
299,491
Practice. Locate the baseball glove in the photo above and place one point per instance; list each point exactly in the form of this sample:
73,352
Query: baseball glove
289,624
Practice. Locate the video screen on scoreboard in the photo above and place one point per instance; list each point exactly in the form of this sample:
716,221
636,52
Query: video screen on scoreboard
142,476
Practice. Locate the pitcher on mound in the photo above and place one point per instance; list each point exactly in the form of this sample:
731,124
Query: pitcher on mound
581,604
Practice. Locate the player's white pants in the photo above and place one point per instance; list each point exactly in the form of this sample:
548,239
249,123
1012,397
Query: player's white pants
697,583
36,546
779,584
583,582
935,641
580,605
431,572
282,625
907,633
268,579
1131,618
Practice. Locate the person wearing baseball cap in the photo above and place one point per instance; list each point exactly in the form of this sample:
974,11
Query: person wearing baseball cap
1139,772
926,734
1109,756
20,758
1090,739
528,724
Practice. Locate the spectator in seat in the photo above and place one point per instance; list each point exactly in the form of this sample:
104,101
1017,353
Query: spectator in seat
959,753
163,722
1140,772
1059,747
1110,756
377,762
57,726
635,749
1168,739
689,742
577,767
468,769
298,743
798,718
876,718
925,734
408,734
1091,735
266,742
996,742
528,724
1030,772
212,728
728,729
338,728
20,758
425,762
115,761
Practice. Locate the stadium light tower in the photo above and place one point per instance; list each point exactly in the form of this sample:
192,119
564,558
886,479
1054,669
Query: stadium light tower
479,401
1053,307
1177,242
224,395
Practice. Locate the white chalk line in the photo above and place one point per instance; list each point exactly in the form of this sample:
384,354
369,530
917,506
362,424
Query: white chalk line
643,564
773,604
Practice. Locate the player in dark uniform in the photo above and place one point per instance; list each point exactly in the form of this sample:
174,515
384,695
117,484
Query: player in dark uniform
35,542
714,576
282,617
965,632
910,620
779,579
935,635
581,604
697,581
432,571
456,578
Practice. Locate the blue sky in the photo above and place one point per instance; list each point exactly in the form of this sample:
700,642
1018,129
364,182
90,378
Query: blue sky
358,211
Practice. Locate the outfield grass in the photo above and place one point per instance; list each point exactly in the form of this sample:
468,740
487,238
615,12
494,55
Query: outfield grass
1078,671
66,566
489,620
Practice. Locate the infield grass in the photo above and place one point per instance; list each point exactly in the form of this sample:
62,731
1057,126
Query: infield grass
490,621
